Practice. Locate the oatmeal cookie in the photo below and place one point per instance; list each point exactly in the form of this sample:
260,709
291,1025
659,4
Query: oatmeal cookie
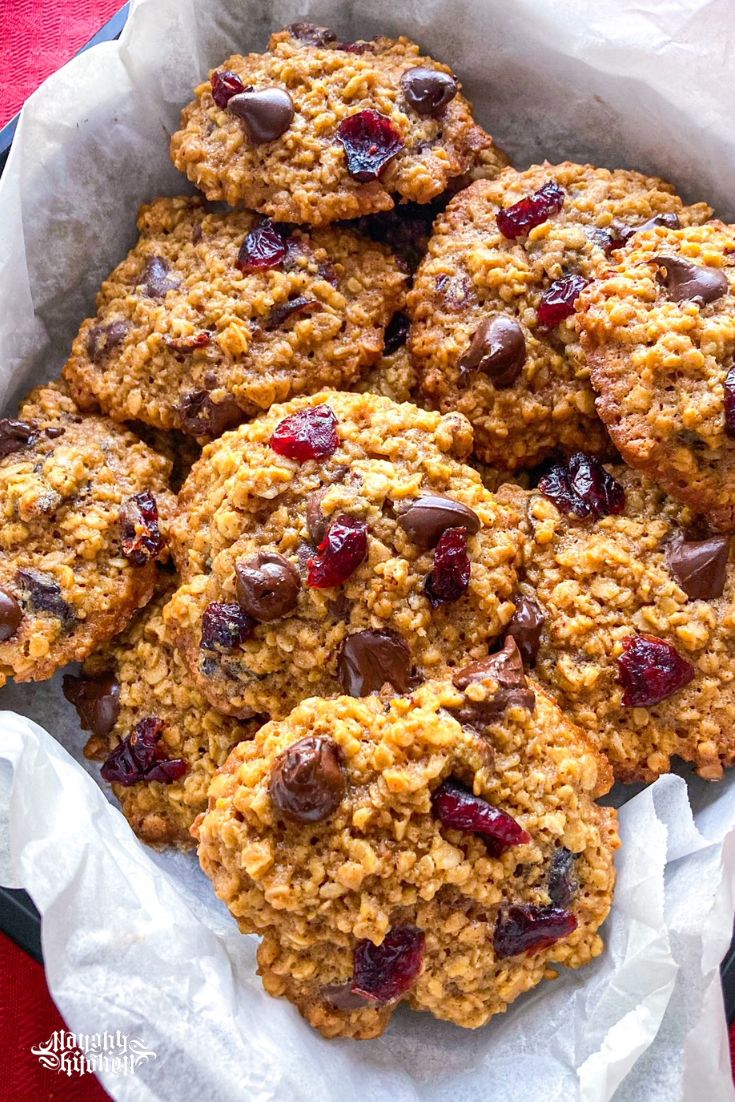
80,499
628,609
441,847
659,333
337,541
160,740
214,317
492,305
314,131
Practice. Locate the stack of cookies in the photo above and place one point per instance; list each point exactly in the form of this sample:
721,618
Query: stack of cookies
386,501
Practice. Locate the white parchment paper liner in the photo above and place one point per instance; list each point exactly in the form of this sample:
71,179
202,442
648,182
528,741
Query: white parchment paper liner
133,940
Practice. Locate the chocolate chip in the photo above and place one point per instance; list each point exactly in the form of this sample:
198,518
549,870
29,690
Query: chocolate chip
620,233
526,627
428,91
157,280
267,586
425,519
395,334
11,615
283,310
688,282
267,113
312,35
200,416
370,659
96,699
316,522
44,595
102,338
498,349
54,432
506,669
340,996
563,884
699,566
16,435
307,781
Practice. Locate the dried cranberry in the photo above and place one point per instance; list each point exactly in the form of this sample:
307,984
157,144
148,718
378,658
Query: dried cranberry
225,626
188,344
520,219
283,310
339,554
525,928
730,402
455,806
309,434
225,85
264,247
583,488
384,972
450,578
557,303
395,334
651,670
140,757
141,538
370,141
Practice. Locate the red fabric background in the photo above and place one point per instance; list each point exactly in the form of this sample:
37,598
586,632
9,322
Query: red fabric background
37,37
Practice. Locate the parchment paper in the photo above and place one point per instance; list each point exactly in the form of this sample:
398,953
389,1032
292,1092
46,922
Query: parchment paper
133,940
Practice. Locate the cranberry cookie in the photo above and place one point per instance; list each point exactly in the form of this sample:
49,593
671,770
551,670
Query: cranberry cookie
441,848
315,130
492,305
659,334
158,738
214,317
80,500
337,542
627,609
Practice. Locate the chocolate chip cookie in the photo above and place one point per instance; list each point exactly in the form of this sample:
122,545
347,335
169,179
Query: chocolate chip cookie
82,501
214,317
337,542
658,330
493,303
626,615
159,740
315,130
441,848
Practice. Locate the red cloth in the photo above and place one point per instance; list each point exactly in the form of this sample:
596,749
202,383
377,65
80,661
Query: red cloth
28,1018
37,37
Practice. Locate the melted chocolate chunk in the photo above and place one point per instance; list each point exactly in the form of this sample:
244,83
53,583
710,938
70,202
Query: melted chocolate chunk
563,884
200,416
96,699
504,668
16,435
370,659
267,586
283,310
526,627
497,349
340,996
688,282
307,781
157,278
312,35
699,566
428,91
44,595
266,112
102,338
11,615
425,519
